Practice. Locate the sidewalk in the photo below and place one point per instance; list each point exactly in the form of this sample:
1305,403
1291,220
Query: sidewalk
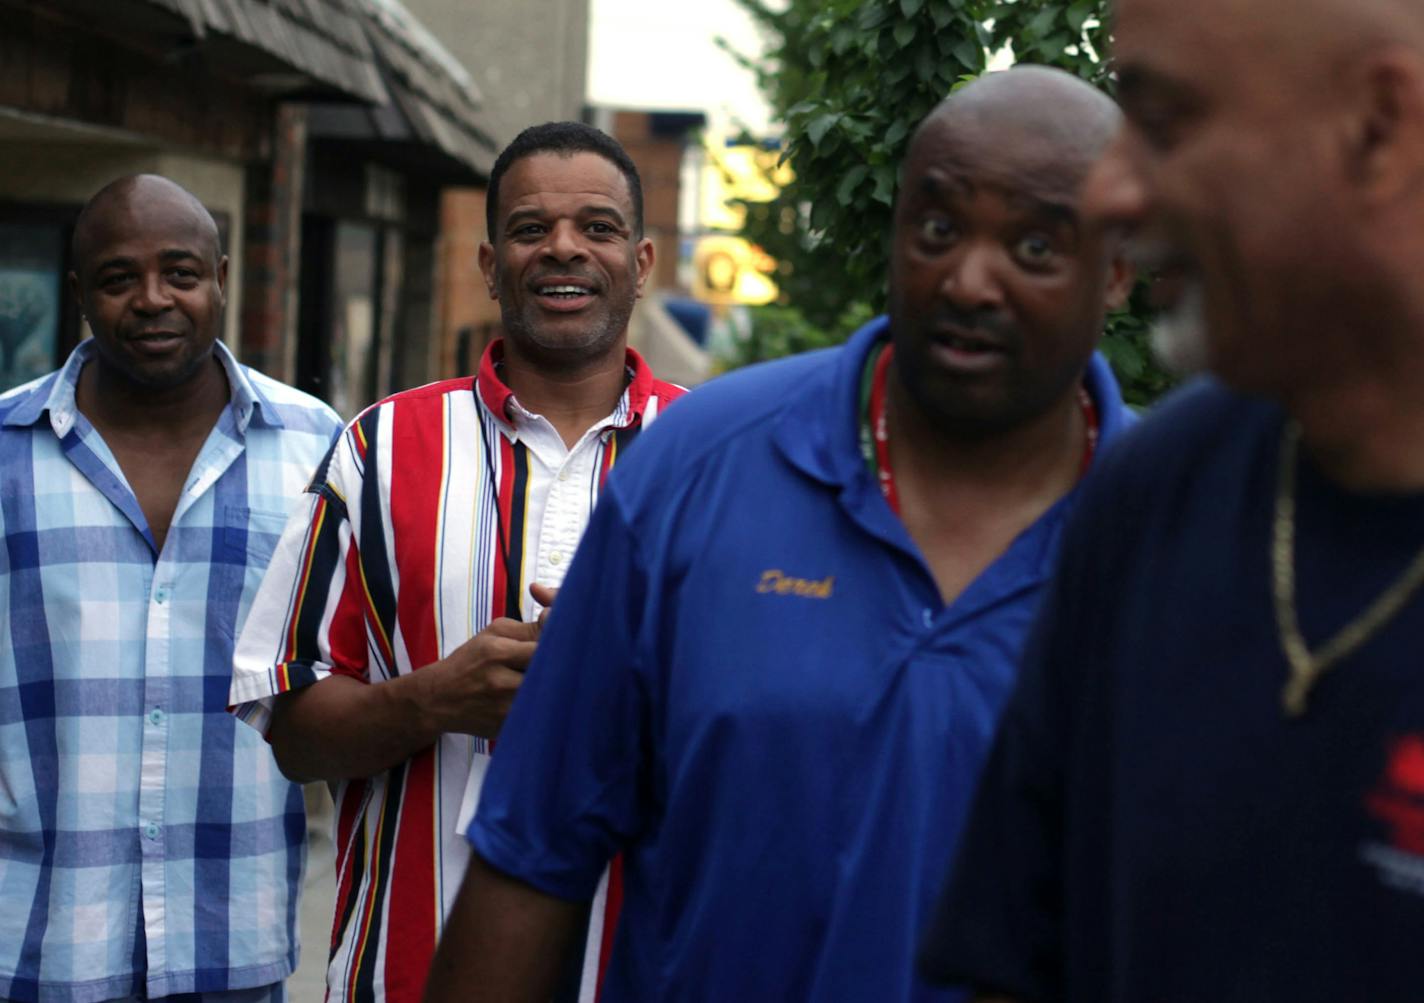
308,982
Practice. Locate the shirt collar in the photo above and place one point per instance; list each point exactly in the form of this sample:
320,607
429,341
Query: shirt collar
499,400
55,395
830,450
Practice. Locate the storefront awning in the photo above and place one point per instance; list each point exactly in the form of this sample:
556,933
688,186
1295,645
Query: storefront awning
434,106
307,49
371,73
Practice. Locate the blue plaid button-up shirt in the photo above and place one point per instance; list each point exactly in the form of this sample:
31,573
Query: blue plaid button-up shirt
148,843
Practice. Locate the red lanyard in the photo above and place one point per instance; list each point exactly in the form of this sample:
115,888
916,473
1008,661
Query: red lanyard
879,434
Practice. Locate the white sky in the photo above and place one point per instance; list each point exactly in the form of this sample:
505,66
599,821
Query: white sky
661,54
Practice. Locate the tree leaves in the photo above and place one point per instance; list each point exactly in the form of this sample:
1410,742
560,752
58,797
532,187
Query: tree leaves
851,79
845,191
818,127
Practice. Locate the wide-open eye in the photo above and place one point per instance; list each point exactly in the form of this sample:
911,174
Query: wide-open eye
1035,250
937,231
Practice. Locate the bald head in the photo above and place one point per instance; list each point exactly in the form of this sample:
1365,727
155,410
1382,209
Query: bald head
136,201
1056,123
151,280
1289,25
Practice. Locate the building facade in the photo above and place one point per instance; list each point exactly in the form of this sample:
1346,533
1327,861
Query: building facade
318,132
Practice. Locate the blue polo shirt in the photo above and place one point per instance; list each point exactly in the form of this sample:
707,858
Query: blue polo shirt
752,689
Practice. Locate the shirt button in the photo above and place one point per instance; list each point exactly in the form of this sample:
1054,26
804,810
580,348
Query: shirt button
563,475
928,616
151,831
160,595
155,716
556,558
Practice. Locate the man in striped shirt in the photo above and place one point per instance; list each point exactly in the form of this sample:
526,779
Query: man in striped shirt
149,847
425,531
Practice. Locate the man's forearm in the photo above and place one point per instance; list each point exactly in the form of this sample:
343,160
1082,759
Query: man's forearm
341,728
504,942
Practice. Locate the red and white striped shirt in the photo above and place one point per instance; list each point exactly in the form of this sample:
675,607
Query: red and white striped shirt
397,558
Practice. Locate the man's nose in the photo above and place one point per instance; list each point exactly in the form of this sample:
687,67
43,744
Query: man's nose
565,242
154,295
973,283
1114,194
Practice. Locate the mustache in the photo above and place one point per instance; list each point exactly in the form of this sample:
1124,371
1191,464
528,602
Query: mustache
565,273
991,325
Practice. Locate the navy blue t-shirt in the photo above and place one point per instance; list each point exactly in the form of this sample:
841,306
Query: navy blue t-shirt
1150,826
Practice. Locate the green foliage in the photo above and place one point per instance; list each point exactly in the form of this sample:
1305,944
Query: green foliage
851,79
785,330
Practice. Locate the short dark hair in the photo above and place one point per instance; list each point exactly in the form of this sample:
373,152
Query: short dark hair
564,139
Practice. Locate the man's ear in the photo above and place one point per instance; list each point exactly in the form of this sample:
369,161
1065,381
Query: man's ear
1120,279
645,255
487,269
1383,97
222,279
72,280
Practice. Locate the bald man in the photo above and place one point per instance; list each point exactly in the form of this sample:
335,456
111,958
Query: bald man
776,663
1212,787
149,847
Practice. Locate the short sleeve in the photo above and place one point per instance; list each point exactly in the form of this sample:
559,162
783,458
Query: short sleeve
567,784
308,620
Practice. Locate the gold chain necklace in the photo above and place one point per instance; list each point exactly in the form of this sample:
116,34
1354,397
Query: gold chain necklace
1306,668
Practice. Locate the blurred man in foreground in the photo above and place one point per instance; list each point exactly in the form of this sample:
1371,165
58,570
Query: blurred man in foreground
1212,787
780,654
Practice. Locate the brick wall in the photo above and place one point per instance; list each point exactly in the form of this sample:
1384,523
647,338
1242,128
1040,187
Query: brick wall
467,314
659,161
272,250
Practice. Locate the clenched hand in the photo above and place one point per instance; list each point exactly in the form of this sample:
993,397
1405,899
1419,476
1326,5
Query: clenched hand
472,688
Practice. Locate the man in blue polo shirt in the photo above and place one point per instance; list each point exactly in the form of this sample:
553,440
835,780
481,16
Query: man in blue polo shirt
781,651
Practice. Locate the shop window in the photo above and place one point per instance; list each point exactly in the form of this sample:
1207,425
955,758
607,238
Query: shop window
37,326
351,279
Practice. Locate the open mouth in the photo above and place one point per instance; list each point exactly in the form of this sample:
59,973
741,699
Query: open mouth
1170,271
564,292
1170,282
967,350
564,295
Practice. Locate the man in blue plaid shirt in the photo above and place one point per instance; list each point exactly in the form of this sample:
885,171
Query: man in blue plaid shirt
149,847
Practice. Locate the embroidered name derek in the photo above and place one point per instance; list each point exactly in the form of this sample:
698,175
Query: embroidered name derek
775,581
